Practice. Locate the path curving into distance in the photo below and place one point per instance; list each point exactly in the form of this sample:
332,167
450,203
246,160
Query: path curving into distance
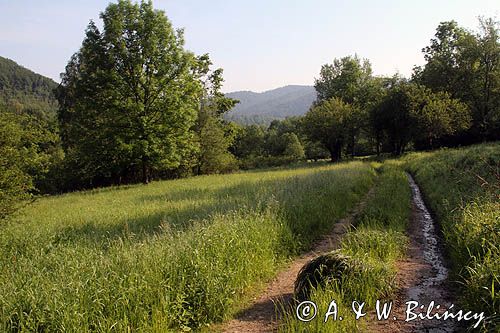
422,277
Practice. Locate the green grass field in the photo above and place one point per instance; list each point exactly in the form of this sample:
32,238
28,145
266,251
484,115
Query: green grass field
169,255
462,188
183,254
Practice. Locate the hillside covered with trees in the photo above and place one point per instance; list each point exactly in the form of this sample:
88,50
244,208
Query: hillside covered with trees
30,151
24,90
262,108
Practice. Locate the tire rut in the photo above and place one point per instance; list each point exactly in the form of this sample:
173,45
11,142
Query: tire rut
261,315
422,276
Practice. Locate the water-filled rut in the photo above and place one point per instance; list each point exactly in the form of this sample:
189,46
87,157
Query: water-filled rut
431,250
432,273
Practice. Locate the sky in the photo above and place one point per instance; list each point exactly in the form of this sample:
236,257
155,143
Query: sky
261,45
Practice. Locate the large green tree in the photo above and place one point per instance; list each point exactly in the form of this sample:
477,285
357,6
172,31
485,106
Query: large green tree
435,115
293,148
215,134
391,120
346,78
250,142
350,79
412,113
129,97
330,123
375,120
466,65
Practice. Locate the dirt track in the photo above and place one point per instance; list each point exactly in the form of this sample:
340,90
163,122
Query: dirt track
261,315
422,275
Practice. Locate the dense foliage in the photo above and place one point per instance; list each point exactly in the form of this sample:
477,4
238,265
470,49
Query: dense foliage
135,105
282,142
466,65
23,90
453,99
28,151
129,97
215,135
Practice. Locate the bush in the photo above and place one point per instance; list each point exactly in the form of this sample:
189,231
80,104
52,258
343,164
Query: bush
15,182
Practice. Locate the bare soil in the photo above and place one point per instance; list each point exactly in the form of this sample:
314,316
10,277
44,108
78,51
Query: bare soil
422,276
262,314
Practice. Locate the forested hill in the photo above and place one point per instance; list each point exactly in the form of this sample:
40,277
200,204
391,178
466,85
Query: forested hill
262,108
25,90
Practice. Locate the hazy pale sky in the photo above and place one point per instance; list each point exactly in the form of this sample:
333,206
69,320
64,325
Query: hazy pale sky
260,44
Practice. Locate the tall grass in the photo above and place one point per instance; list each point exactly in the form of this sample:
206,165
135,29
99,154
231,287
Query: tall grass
462,188
171,255
376,242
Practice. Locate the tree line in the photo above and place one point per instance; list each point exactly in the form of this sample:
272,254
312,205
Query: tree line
454,99
134,105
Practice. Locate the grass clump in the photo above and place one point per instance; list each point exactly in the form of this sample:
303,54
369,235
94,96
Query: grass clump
325,269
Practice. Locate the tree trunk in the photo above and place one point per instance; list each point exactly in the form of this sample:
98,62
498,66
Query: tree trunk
145,177
402,148
335,151
333,155
397,148
353,143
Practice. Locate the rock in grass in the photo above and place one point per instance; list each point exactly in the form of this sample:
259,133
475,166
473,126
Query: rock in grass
325,269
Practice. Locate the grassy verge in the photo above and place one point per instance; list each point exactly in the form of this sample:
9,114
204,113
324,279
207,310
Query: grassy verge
376,243
462,188
171,255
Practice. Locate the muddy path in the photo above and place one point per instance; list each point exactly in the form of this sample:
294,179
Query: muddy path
422,276
261,315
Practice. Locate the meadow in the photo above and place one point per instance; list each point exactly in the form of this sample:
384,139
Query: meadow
184,254
171,255
462,189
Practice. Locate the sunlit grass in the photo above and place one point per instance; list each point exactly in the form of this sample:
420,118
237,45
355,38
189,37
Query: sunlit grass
166,256
376,242
462,188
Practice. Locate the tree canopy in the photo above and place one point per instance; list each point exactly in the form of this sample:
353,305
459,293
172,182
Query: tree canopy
345,78
466,65
130,96
329,123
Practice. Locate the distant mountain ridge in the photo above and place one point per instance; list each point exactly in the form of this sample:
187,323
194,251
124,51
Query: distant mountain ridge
25,90
262,108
